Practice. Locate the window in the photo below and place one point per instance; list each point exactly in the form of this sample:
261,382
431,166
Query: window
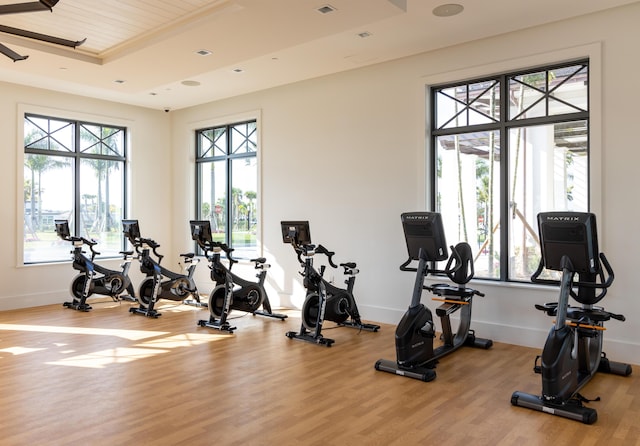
75,171
227,184
504,149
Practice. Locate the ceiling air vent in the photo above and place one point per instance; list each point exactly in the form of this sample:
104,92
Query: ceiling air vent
326,9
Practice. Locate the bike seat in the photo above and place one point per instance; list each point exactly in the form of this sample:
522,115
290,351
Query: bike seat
126,253
593,315
259,260
551,308
350,265
188,255
444,289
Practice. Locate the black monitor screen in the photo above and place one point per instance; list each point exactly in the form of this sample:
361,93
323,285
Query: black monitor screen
424,230
296,231
201,231
571,234
131,229
62,229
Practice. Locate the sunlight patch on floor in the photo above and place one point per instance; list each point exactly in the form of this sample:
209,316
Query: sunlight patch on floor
20,350
184,340
133,335
101,359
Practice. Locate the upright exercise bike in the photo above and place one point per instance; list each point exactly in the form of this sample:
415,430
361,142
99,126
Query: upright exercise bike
93,278
415,334
231,291
160,283
573,352
324,301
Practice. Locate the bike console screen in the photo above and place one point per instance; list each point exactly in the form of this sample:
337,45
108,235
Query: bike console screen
296,232
62,229
424,230
572,235
201,231
131,229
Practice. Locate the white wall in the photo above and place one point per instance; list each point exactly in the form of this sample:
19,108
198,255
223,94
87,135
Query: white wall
347,152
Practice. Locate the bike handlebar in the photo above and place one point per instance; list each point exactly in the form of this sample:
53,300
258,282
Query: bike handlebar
604,284
455,256
210,246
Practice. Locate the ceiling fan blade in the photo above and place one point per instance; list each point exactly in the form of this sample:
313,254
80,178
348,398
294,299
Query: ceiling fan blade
41,37
41,5
11,54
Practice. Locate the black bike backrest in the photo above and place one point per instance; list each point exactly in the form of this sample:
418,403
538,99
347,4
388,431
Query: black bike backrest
460,268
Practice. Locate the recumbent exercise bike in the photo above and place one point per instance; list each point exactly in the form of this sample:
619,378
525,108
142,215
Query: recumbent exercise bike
176,287
323,301
231,292
572,353
93,278
415,334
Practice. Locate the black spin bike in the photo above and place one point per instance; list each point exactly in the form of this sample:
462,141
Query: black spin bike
231,292
94,278
324,301
160,283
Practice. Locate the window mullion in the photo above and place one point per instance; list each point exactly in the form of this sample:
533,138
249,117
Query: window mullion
504,180
76,178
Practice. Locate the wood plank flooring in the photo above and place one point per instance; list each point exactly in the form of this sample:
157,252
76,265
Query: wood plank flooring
108,377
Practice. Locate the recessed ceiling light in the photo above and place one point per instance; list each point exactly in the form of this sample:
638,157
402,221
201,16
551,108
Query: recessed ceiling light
326,9
364,34
203,52
153,94
189,83
447,10
238,70
119,81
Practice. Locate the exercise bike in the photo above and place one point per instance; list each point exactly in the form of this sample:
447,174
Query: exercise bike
176,287
415,334
231,292
93,278
324,301
572,353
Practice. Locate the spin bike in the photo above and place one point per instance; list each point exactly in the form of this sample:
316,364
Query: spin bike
231,292
324,301
415,334
176,287
93,278
573,352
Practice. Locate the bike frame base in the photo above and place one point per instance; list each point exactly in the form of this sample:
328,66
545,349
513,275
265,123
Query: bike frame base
195,303
307,337
360,325
570,410
272,315
145,312
216,324
421,373
77,306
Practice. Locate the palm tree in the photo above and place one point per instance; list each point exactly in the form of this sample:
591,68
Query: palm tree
250,195
38,164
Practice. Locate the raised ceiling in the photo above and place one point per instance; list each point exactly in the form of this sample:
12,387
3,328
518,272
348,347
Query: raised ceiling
145,52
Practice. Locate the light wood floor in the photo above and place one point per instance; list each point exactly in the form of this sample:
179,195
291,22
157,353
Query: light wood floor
111,378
